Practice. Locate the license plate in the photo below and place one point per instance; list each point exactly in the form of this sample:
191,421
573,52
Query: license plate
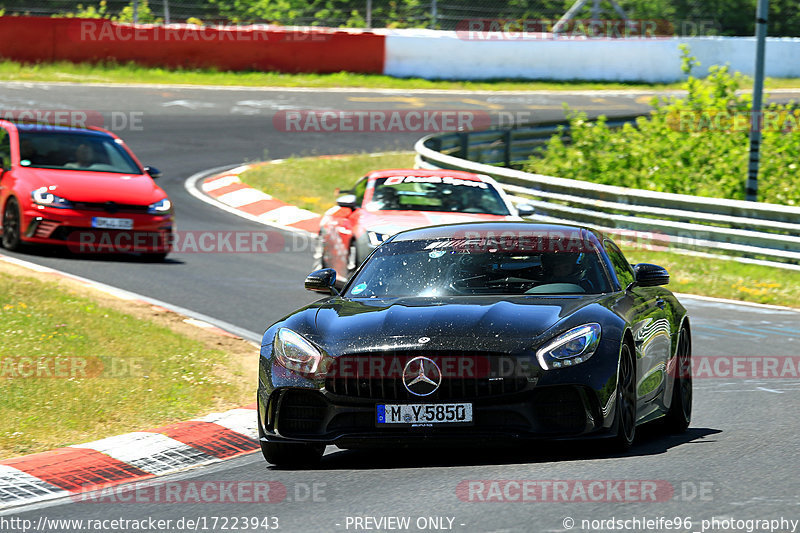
112,223
416,414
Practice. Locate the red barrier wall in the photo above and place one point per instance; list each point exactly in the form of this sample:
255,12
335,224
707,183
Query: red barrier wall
265,48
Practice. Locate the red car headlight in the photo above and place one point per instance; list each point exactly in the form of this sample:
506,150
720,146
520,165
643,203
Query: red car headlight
43,196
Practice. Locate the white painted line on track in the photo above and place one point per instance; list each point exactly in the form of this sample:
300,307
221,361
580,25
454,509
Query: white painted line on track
385,90
735,303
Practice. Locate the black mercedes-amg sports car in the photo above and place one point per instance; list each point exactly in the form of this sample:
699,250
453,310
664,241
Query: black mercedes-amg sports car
478,332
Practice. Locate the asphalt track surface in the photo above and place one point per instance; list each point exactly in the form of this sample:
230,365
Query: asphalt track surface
738,460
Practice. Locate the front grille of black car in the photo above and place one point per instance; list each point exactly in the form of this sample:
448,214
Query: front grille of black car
559,409
302,412
356,384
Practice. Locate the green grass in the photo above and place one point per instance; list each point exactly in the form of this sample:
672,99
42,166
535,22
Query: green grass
724,279
110,372
310,183
132,73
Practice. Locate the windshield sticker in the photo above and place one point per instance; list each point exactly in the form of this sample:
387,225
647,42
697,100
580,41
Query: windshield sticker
358,289
447,180
25,163
436,254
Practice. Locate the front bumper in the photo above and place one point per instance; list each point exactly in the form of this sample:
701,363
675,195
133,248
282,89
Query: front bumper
552,412
73,229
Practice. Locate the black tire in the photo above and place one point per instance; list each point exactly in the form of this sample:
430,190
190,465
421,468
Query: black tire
680,410
12,227
626,402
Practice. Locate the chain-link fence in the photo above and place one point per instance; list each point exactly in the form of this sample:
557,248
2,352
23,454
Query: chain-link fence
687,17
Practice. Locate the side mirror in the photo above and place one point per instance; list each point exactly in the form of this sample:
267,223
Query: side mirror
347,200
321,281
648,275
153,171
526,210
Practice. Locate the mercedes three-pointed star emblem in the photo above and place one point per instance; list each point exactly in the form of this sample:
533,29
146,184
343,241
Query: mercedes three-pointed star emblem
421,376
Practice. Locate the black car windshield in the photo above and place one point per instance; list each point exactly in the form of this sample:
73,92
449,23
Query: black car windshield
74,151
451,267
436,193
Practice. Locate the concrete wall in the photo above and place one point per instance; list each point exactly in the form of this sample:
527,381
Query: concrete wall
448,55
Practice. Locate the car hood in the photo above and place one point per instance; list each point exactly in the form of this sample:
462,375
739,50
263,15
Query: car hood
473,323
97,187
390,222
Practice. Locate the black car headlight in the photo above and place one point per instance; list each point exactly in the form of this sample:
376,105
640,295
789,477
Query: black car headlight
570,348
43,196
294,352
161,207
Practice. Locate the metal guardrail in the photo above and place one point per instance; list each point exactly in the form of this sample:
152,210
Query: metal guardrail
751,230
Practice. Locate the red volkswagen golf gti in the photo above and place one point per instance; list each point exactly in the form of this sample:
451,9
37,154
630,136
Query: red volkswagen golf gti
82,188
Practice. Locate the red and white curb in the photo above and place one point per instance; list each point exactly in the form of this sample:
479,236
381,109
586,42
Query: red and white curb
227,189
132,456
129,457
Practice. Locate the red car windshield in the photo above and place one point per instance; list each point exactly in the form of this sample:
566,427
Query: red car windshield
436,193
71,151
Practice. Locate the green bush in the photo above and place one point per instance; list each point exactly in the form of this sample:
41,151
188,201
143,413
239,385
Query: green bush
697,144
145,14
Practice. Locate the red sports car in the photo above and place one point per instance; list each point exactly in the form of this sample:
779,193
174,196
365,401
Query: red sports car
79,187
385,202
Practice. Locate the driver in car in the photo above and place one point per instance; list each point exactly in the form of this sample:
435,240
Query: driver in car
566,267
84,157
